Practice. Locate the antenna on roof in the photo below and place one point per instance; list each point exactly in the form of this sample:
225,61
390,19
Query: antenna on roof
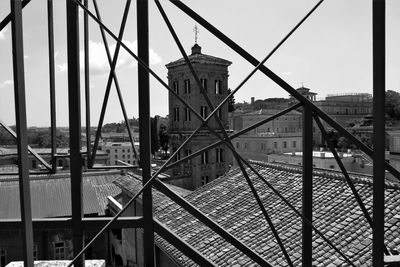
196,31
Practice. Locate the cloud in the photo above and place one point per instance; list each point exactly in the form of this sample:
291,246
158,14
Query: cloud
3,34
98,60
6,83
62,67
286,73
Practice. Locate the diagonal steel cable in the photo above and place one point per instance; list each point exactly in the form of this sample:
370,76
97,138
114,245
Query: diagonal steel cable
346,175
112,76
279,81
7,19
222,129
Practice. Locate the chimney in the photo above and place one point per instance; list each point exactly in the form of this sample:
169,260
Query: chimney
252,100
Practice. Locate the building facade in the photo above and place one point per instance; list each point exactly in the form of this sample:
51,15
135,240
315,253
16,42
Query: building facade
213,75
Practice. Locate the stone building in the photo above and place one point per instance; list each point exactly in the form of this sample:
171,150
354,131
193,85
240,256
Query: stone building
213,75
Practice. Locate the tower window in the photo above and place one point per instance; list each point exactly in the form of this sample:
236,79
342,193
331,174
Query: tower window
218,87
176,114
187,114
176,87
219,155
204,158
203,82
284,144
187,86
203,111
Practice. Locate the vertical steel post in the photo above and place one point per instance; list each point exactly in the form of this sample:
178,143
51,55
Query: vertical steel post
144,129
22,140
53,126
378,20
307,185
74,107
87,83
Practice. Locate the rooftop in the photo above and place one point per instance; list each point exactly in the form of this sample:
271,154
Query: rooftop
198,57
51,194
229,202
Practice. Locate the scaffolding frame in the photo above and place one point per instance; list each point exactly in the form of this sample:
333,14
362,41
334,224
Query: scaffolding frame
147,222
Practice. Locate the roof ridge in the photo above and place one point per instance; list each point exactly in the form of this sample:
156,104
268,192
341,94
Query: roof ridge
359,178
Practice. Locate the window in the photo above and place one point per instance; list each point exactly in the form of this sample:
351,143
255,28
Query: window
203,111
128,150
34,164
176,114
293,143
116,151
187,114
268,129
246,145
277,130
187,86
203,82
204,158
218,87
275,145
176,87
263,147
128,156
108,151
123,150
3,257
178,156
285,129
187,153
35,252
123,156
59,251
219,155
219,113
60,163
204,179
284,144
237,145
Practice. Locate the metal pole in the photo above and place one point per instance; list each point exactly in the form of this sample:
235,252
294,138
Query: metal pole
22,140
75,128
144,129
87,83
52,86
378,20
307,185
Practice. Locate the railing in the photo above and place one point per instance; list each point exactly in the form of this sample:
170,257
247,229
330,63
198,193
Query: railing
78,224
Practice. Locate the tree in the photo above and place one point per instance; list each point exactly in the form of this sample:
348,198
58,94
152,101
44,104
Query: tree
155,144
392,105
163,138
231,102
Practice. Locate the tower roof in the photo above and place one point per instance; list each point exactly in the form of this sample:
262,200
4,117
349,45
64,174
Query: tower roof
198,57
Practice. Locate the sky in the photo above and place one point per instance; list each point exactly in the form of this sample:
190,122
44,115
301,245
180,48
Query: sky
331,53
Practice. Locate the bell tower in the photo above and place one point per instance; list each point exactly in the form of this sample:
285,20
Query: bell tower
213,74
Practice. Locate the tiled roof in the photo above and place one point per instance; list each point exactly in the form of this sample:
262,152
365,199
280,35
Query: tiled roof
51,195
228,201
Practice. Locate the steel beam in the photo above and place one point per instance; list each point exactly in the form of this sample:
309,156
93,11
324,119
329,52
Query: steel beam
89,223
307,208
7,19
183,246
378,28
22,138
53,125
74,107
210,223
144,129
87,83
